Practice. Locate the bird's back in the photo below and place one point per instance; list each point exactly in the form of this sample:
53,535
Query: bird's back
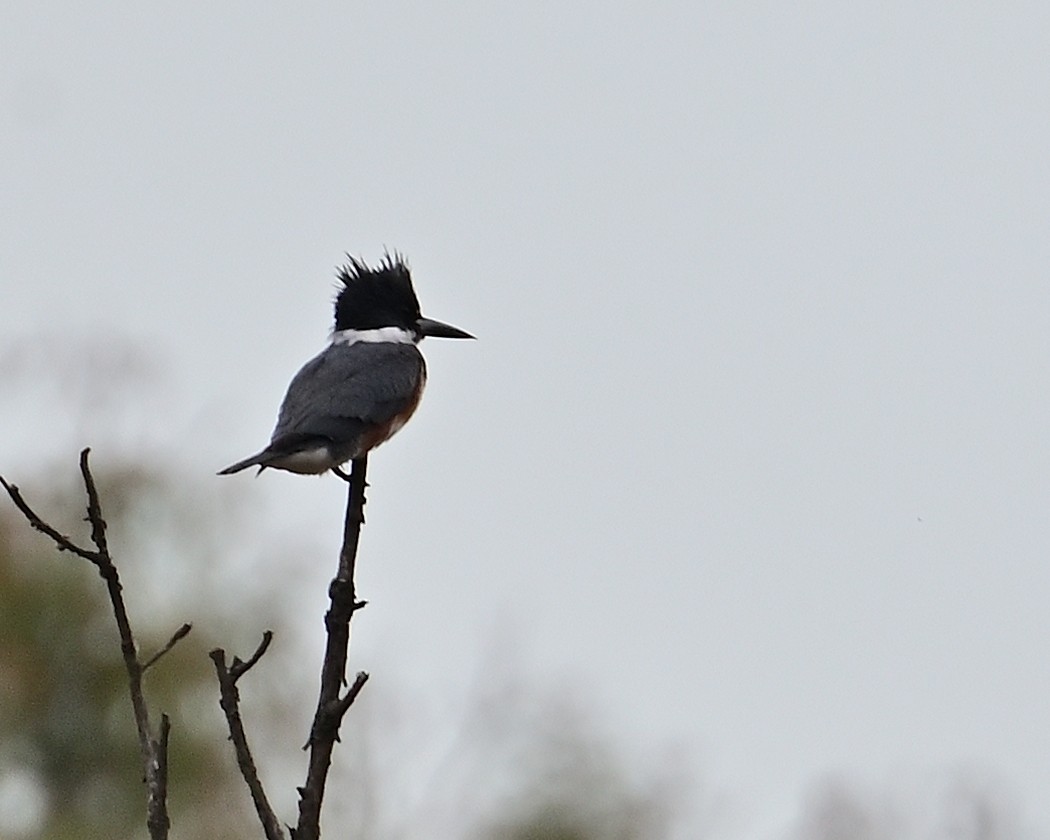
347,391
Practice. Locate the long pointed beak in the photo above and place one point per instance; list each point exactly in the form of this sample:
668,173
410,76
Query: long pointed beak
436,329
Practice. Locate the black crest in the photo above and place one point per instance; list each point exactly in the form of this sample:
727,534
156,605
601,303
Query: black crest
377,297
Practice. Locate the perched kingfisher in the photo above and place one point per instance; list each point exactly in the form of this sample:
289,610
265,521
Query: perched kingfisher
362,388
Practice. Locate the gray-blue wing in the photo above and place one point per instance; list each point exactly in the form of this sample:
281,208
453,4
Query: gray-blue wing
345,390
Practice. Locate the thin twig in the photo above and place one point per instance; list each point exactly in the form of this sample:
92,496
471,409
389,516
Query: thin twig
176,637
239,668
154,752
94,507
162,750
229,699
331,707
343,705
63,542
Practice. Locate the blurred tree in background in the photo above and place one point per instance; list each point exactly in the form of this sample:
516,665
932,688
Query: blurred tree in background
523,763
954,807
69,759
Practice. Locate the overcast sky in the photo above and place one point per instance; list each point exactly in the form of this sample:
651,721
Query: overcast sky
753,445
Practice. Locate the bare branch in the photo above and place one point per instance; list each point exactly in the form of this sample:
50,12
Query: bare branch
239,668
331,708
94,507
332,705
347,700
153,751
230,700
162,752
176,637
63,542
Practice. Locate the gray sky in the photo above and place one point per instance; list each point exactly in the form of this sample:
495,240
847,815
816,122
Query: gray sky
752,447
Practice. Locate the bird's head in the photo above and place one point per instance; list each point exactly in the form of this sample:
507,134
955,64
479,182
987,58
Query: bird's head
382,297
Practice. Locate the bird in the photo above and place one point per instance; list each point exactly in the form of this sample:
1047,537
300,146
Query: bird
365,385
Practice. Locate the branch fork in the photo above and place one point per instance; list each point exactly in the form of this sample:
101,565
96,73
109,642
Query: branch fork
332,704
153,748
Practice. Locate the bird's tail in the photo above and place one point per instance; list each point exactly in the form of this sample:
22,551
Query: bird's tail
255,460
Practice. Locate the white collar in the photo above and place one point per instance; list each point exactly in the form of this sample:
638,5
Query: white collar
382,335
